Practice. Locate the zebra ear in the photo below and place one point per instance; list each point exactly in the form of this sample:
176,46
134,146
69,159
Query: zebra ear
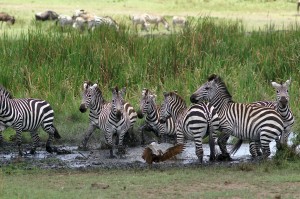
123,91
275,85
288,82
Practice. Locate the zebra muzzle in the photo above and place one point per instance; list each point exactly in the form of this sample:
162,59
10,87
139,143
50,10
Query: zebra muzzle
82,108
119,115
140,114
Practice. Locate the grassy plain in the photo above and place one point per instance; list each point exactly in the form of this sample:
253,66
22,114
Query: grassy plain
264,180
260,43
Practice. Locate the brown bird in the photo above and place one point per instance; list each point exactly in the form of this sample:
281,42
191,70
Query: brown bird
151,154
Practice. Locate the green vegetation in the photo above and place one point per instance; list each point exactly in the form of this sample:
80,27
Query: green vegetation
263,180
52,65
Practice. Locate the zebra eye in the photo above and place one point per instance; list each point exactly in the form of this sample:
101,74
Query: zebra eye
287,91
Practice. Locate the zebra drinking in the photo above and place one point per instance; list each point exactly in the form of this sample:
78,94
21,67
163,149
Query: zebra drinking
245,121
103,115
281,105
27,114
149,108
195,122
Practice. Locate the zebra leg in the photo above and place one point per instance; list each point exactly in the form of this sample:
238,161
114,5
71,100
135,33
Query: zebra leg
212,138
265,145
121,147
2,128
254,148
199,149
36,140
109,141
87,136
222,141
19,141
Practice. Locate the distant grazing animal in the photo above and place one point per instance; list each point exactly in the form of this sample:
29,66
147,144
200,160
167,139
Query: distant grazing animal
156,19
64,20
47,15
298,5
101,21
152,154
181,21
139,20
27,114
4,17
79,23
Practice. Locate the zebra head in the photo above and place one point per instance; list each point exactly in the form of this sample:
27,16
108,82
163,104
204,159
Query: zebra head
282,92
118,102
147,99
88,95
4,95
211,91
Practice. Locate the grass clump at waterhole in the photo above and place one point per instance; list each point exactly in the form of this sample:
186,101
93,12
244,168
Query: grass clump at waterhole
52,65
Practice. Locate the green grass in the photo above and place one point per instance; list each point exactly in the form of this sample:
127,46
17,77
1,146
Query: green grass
53,65
263,180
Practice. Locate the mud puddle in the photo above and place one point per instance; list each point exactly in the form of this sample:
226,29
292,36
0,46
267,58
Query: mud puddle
72,157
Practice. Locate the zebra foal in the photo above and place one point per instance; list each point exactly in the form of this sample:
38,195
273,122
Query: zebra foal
194,123
149,109
245,121
27,114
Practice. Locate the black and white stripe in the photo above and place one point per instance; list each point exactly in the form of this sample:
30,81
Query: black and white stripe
27,115
195,122
102,21
245,121
149,108
115,117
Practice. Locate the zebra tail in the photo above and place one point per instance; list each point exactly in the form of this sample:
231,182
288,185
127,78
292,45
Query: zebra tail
56,134
236,146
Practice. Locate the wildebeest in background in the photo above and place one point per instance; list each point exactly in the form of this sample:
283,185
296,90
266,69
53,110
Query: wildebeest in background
47,15
7,18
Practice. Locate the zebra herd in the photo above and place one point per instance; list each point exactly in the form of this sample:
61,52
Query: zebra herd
212,110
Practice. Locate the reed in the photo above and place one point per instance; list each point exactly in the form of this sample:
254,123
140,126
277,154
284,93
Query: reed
53,64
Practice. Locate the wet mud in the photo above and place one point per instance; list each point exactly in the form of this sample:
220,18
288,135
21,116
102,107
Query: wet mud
71,157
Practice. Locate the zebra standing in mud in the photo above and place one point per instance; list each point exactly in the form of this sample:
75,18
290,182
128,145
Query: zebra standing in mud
101,115
194,123
27,115
281,105
245,121
149,108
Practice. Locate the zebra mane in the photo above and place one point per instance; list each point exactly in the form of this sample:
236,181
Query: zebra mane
174,94
5,92
99,93
116,89
222,84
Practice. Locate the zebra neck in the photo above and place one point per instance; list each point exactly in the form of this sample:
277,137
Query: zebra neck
221,104
283,111
152,114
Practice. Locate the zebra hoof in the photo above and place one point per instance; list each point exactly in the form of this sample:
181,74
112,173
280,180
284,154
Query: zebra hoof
32,151
49,149
224,157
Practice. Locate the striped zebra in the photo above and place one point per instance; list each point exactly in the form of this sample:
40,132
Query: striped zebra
281,105
194,123
149,108
101,21
102,114
27,115
244,121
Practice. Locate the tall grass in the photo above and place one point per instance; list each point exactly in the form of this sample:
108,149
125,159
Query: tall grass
53,64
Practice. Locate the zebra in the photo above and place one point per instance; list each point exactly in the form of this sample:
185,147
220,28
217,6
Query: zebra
149,108
100,109
281,105
194,123
64,20
100,21
245,121
156,19
27,114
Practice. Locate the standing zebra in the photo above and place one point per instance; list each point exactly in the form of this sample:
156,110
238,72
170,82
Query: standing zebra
102,114
27,115
149,108
194,123
281,105
102,21
245,121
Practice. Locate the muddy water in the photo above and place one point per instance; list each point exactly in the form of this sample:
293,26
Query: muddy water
71,157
